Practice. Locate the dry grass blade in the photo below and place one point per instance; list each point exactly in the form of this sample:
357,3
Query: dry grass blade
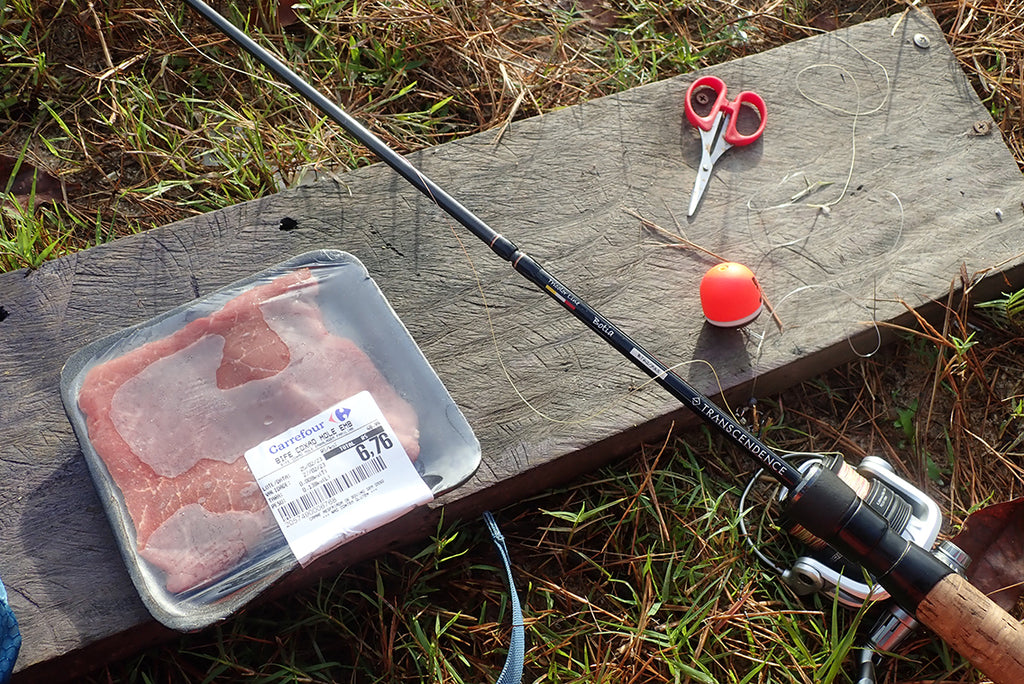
681,242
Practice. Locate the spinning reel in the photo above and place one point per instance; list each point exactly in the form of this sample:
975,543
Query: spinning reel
909,511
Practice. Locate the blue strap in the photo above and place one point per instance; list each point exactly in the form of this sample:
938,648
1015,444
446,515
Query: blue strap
512,673
10,638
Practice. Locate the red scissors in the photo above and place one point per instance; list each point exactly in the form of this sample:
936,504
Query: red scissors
719,120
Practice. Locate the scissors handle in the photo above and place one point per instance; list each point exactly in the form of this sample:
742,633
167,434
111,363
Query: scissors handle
705,98
707,101
744,102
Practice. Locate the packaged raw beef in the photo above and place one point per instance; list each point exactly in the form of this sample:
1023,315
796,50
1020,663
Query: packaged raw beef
258,428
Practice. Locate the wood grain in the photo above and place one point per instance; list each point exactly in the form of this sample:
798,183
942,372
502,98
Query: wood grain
922,200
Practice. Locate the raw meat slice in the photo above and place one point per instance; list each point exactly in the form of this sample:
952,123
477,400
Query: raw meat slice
172,419
198,544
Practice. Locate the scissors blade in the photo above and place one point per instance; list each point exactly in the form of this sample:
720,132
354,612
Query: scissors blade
700,184
713,146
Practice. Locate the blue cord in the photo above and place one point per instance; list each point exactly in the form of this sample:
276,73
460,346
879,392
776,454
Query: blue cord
512,673
10,638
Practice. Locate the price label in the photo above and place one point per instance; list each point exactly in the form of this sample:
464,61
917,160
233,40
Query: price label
336,476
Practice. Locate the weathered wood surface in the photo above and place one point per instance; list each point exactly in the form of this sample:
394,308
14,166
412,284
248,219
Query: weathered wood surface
925,195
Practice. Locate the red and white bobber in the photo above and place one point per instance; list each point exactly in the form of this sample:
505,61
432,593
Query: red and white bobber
730,295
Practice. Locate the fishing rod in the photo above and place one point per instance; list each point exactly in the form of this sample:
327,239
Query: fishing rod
817,499
521,262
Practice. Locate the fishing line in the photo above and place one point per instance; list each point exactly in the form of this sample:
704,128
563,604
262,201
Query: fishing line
754,543
492,330
852,298
763,335
634,388
844,73
874,321
809,189
856,114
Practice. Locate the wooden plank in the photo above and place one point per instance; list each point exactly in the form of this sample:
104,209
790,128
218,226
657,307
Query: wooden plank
925,195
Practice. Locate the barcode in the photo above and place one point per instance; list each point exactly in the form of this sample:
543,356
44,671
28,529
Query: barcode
331,488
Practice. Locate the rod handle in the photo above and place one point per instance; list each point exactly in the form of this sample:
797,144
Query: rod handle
978,629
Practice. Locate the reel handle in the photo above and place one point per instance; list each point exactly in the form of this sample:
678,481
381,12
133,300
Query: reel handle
975,627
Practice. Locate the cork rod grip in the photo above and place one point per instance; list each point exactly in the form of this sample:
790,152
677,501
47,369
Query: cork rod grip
989,637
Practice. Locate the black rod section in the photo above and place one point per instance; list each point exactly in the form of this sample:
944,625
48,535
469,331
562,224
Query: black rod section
521,262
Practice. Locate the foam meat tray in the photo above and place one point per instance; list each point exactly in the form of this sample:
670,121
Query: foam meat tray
255,429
